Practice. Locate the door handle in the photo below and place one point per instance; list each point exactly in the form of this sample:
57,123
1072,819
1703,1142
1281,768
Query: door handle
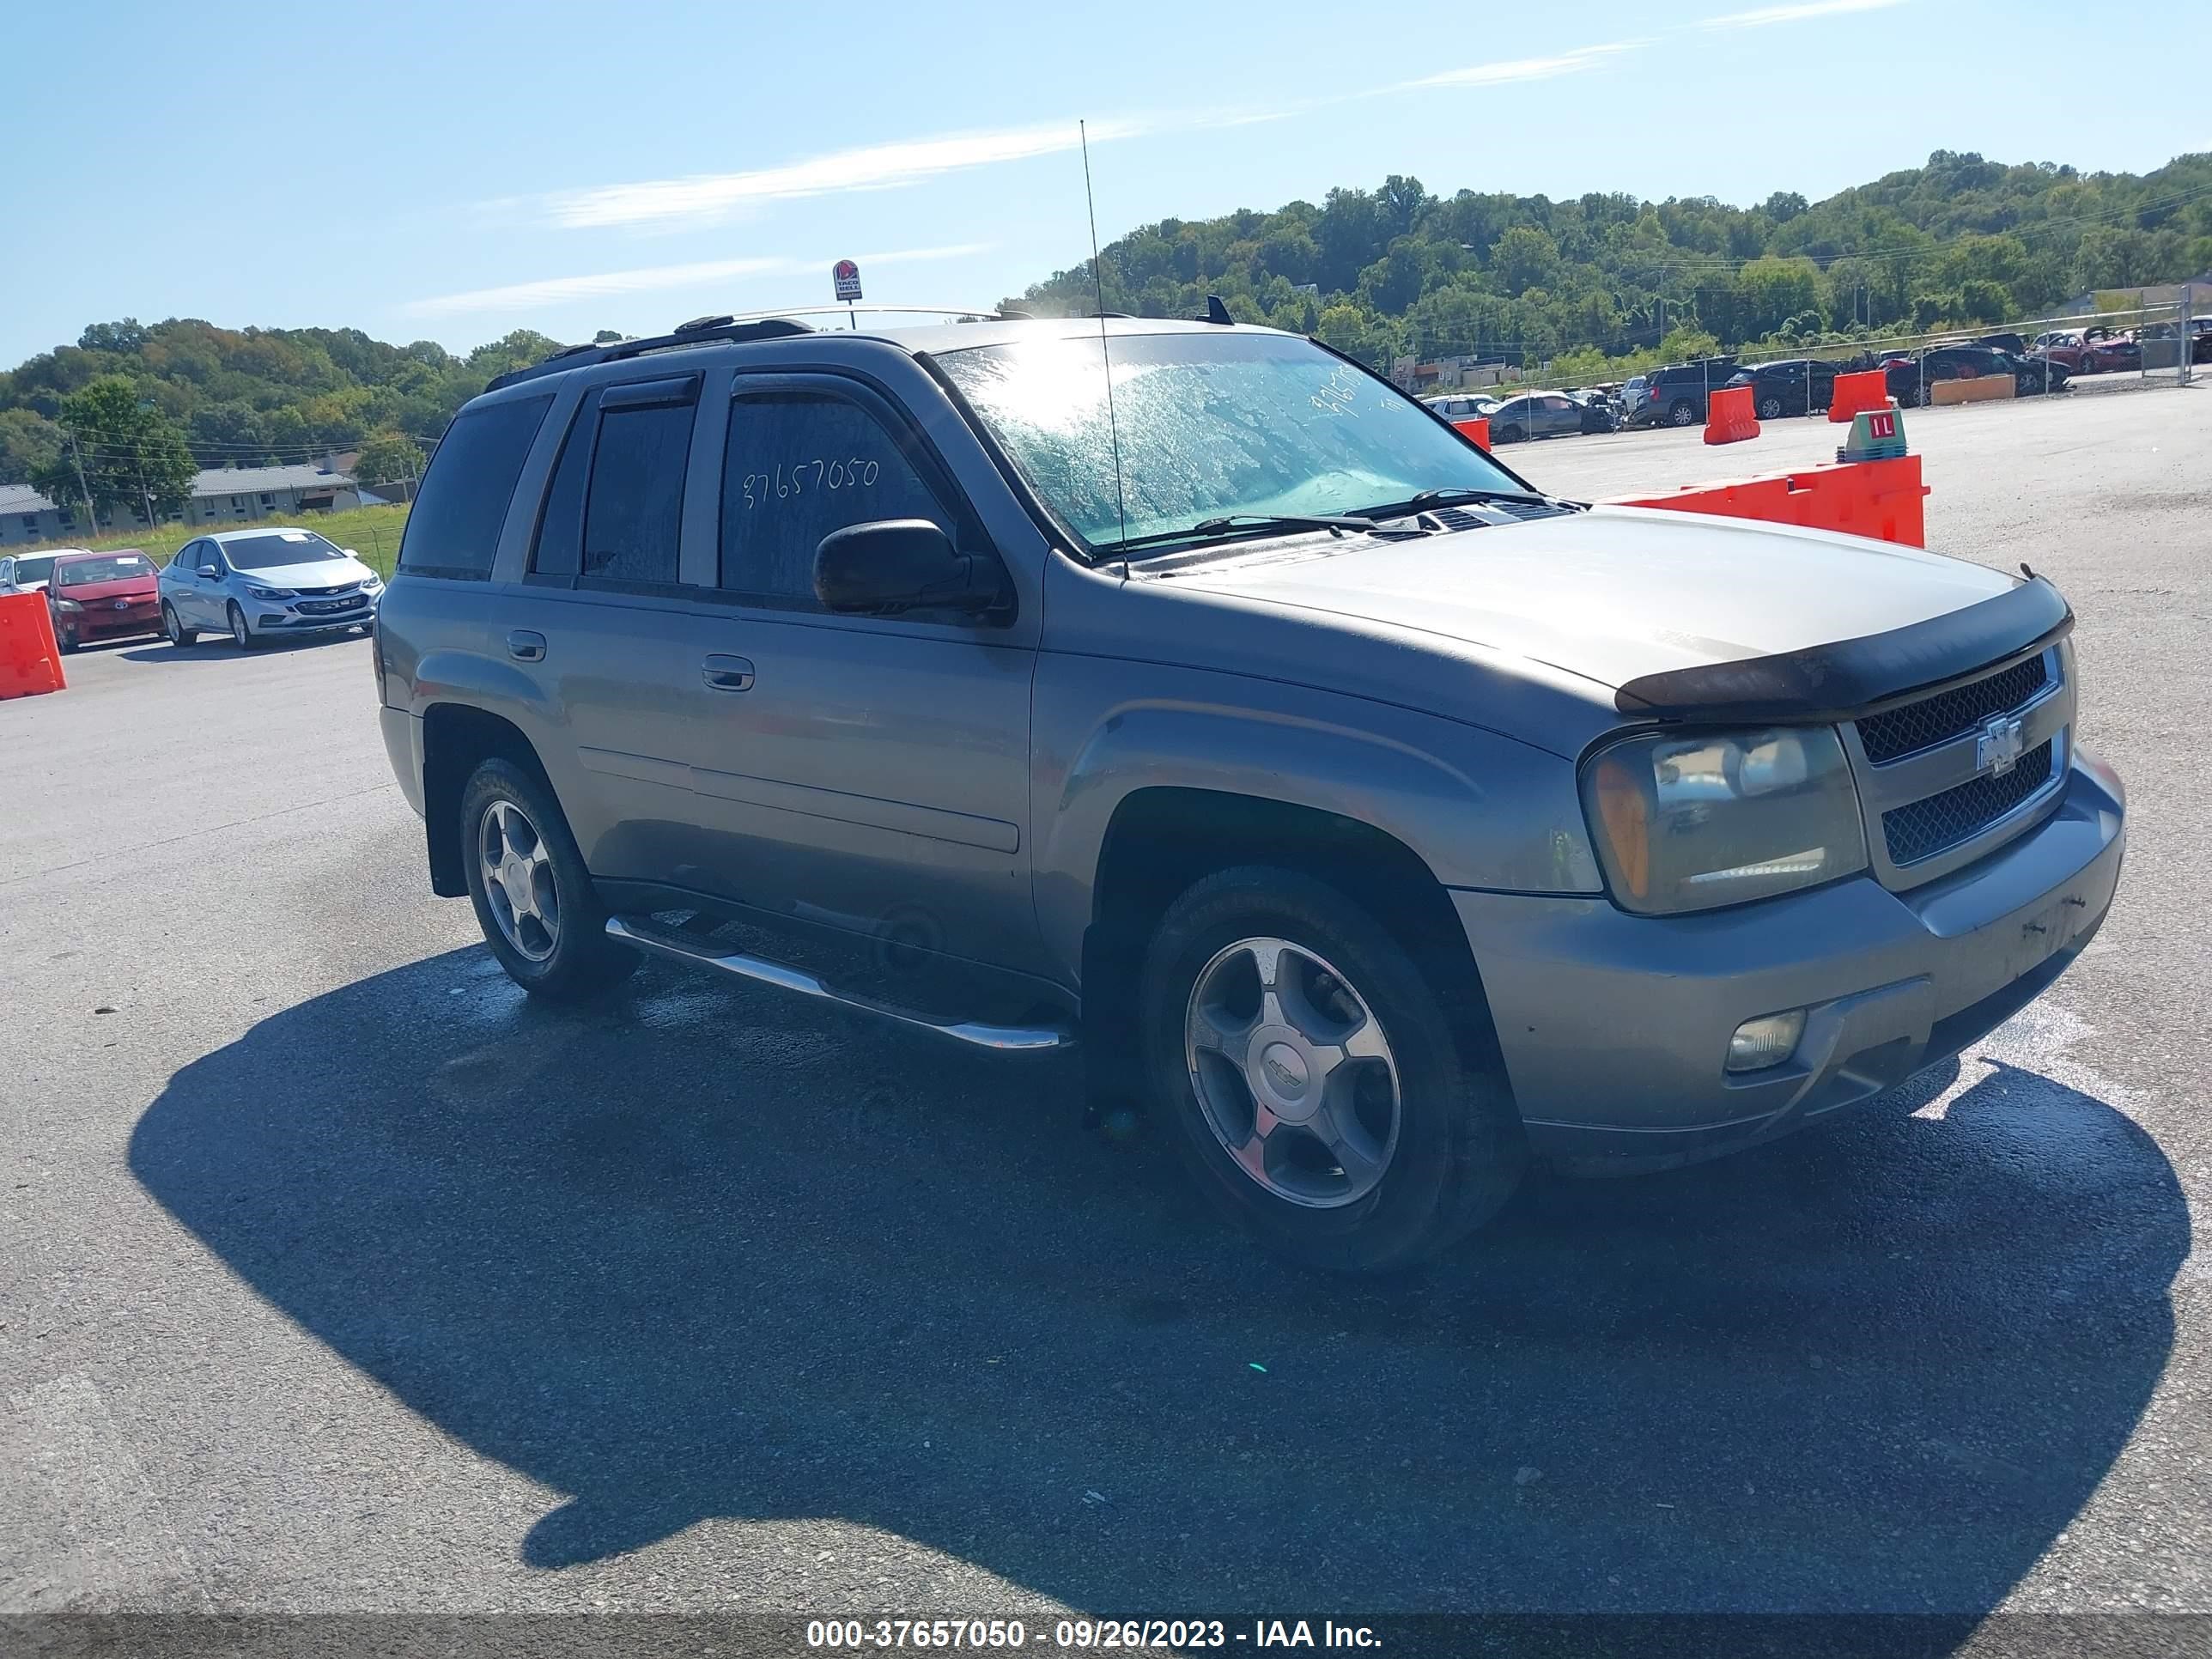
524,646
724,673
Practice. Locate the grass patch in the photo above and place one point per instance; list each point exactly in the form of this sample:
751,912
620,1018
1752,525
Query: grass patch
371,531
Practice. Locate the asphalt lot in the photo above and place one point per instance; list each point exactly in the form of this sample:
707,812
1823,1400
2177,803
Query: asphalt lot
332,1277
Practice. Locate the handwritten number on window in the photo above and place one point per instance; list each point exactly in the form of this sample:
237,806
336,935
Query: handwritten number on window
849,473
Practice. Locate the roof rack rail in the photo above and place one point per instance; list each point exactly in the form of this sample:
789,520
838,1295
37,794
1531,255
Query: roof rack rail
700,330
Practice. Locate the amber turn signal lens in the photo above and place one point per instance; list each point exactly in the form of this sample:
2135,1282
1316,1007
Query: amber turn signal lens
1621,803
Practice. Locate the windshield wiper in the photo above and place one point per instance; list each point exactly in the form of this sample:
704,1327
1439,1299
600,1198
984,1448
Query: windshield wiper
1230,523
1421,501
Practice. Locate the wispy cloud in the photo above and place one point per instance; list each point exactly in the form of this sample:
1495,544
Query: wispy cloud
1763,16
550,291
1528,69
703,196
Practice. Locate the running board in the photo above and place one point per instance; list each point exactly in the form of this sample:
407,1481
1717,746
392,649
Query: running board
1003,1039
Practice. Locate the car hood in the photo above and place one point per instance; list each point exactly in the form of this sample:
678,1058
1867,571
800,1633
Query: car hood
1615,594
122,587
311,577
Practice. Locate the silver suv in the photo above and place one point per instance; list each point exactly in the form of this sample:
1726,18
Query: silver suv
1373,817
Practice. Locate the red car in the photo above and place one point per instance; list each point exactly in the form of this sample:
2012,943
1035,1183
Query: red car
103,596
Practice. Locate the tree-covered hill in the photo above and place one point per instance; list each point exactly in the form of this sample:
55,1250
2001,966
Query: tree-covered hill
1397,270
1378,273
252,396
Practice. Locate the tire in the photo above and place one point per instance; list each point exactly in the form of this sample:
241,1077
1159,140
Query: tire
1681,412
1454,1151
1770,409
566,956
179,636
240,635
1511,435
65,637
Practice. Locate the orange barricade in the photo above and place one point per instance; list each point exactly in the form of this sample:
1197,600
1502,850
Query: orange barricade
1729,418
1856,393
30,660
1476,429
1882,499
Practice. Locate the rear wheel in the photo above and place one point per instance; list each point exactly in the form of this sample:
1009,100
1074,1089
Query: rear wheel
179,636
1507,434
240,635
1681,412
532,895
1770,407
1926,396
1323,1094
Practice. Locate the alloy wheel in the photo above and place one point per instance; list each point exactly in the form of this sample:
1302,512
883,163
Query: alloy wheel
1292,1072
518,879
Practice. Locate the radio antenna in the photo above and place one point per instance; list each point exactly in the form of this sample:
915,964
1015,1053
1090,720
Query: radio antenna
1098,284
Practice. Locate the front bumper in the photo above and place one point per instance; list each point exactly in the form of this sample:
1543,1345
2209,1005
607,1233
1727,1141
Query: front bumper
1614,1027
270,617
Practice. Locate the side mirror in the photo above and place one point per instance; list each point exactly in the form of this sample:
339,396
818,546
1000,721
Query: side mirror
349,552
901,564
209,572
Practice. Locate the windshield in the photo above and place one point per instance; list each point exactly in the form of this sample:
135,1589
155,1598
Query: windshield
33,570
83,573
1210,425
279,548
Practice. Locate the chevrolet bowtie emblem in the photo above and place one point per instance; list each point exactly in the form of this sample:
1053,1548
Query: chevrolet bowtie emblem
1998,749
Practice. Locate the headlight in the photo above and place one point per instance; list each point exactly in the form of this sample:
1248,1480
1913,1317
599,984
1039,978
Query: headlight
271,592
1688,822
66,604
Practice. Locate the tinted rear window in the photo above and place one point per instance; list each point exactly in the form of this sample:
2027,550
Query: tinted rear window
455,528
634,512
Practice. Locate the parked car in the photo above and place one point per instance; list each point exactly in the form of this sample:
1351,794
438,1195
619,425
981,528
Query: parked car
2088,351
1635,391
1464,406
1788,386
1914,380
28,573
1370,812
266,584
2011,343
101,596
1600,412
1538,415
1676,396
2157,345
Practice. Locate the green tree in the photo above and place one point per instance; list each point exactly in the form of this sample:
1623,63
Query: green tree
130,451
387,457
1524,258
1768,291
30,444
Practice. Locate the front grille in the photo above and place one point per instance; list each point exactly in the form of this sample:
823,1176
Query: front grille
327,607
1927,827
1952,714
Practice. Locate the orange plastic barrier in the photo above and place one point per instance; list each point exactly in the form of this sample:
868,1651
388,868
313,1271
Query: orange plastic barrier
1856,393
1729,418
1883,499
1476,427
30,660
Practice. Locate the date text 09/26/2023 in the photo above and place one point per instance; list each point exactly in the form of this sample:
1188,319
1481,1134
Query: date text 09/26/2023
1086,1634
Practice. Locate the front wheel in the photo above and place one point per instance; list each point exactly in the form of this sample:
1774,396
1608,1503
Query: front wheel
1507,434
173,625
1770,409
532,895
1323,1094
65,637
240,635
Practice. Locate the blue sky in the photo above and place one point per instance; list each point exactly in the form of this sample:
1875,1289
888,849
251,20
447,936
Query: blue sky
455,171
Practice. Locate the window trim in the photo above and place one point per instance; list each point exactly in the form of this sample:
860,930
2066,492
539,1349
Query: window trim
969,534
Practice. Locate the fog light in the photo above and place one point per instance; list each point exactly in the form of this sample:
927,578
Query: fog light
1767,1041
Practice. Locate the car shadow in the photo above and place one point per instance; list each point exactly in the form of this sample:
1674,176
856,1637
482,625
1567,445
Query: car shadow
708,1252
218,648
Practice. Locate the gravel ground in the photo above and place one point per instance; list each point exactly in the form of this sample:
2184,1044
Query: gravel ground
333,1277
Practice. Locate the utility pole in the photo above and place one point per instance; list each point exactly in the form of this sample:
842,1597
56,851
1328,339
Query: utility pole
91,513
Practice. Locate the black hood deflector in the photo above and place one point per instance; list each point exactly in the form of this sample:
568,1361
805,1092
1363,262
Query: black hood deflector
1853,677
